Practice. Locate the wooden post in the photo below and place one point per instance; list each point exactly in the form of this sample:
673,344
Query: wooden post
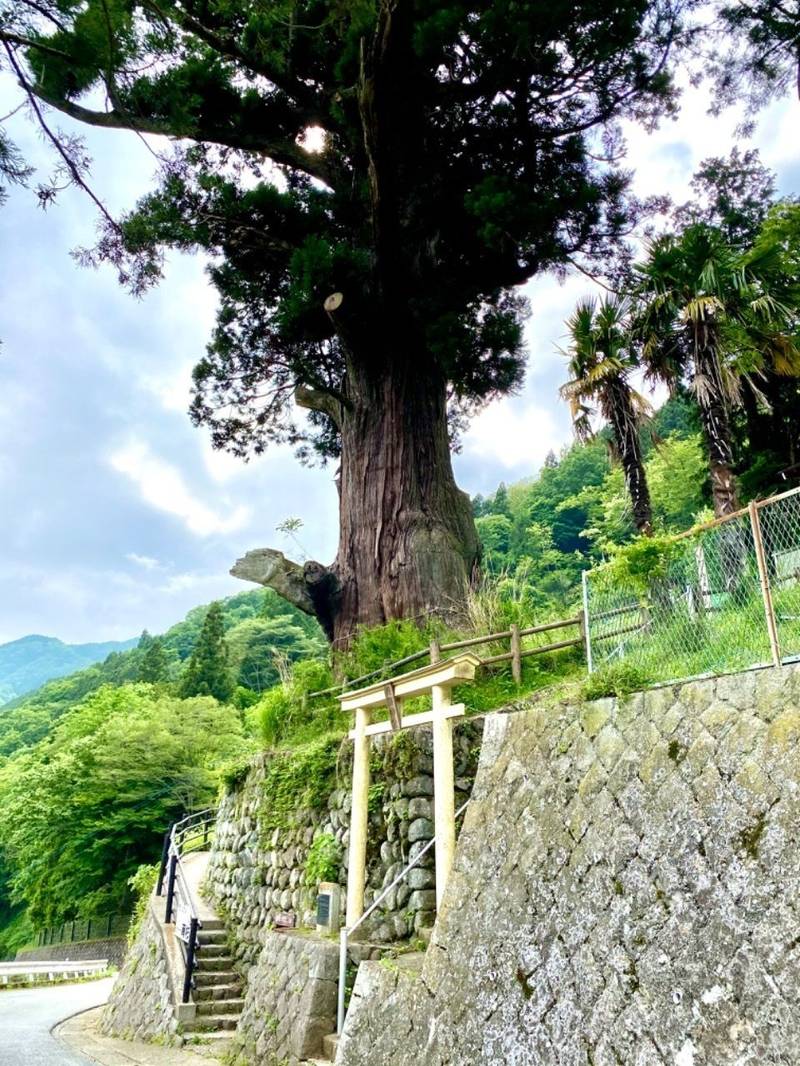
444,805
766,590
436,652
516,657
357,864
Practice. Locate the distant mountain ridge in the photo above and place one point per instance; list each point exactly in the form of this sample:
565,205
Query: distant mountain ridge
27,663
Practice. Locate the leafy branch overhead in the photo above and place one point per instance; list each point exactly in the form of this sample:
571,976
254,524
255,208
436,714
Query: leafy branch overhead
450,158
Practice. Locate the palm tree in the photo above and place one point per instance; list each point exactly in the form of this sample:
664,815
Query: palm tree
709,313
600,361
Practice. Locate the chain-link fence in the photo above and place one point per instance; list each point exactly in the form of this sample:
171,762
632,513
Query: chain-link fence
723,597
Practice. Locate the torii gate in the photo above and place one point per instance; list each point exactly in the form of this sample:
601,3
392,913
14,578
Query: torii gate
438,679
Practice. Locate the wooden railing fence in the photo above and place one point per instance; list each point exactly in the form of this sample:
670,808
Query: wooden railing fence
516,653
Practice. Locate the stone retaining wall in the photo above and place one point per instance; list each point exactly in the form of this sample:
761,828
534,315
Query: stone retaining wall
626,890
112,948
141,1005
290,1003
255,875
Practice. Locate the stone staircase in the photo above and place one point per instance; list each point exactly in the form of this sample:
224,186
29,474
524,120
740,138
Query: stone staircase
217,995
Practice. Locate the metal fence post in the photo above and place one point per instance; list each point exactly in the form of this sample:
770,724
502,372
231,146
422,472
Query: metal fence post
516,657
191,948
766,590
173,864
587,640
164,860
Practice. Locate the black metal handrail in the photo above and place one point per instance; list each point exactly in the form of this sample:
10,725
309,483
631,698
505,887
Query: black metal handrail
190,834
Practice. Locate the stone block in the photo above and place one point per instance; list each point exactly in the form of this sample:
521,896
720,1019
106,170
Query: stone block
422,900
420,829
420,807
421,785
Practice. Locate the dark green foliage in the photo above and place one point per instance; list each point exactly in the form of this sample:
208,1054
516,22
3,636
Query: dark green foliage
760,60
733,194
155,663
208,673
483,157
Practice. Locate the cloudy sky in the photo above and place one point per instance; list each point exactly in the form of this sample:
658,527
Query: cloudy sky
116,514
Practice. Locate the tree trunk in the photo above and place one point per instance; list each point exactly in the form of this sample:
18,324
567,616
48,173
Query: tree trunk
407,539
716,426
628,446
408,546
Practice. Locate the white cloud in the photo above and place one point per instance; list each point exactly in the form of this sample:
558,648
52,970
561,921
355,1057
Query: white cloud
513,435
145,561
163,487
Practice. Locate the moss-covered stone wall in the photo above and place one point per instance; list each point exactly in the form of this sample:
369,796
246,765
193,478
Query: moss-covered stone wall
262,862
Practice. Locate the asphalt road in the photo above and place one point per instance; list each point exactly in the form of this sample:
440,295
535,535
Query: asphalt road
28,1014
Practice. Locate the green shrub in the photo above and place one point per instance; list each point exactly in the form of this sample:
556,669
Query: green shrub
616,679
377,647
642,562
141,884
233,773
324,860
244,697
299,779
285,714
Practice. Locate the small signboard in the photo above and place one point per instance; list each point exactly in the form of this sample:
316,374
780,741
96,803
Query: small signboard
285,920
328,907
183,923
323,908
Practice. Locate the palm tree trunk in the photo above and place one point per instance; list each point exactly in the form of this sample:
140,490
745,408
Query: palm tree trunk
628,446
716,426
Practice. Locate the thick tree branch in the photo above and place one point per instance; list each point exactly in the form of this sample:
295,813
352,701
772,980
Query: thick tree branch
311,588
327,403
303,94
284,153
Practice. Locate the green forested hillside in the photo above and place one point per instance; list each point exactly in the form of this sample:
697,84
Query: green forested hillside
30,661
94,766
260,630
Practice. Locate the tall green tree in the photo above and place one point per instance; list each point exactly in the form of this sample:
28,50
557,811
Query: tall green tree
601,359
154,666
207,673
733,193
372,182
709,314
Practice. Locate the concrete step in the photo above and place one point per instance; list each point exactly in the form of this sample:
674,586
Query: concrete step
212,925
212,951
211,978
214,964
202,993
210,1023
212,936
211,1044
329,1045
220,1006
